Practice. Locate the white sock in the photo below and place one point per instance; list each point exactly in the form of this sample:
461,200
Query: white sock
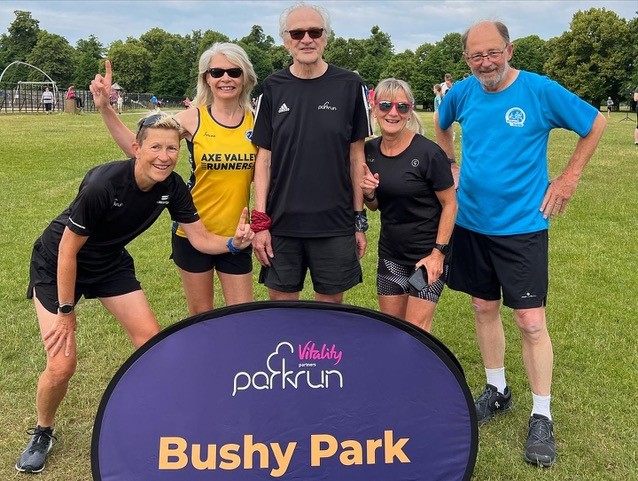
496,377
541,405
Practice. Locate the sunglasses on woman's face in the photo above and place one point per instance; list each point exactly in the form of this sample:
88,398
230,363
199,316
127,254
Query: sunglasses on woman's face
299,34
402,107
234,72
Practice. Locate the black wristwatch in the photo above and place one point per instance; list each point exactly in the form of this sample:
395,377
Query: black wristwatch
65,308
360,221
444,248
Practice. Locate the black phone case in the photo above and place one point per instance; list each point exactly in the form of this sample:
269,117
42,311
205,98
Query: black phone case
418,280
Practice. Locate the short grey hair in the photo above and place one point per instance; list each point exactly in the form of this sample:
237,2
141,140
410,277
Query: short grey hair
283,18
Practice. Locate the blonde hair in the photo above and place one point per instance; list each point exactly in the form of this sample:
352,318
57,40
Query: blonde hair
156,120
236,55
388,88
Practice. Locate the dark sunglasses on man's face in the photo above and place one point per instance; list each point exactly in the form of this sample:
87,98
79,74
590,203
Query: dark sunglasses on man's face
300,33
234,72
386,106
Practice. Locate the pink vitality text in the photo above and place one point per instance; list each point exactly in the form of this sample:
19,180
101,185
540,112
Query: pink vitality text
310,352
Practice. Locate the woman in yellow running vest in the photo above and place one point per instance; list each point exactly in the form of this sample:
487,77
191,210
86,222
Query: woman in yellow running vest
218,131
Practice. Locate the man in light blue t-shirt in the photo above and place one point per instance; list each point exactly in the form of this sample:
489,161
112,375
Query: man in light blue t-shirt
505,199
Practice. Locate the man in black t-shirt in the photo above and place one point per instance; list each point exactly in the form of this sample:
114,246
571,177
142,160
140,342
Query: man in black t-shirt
310,127
82,253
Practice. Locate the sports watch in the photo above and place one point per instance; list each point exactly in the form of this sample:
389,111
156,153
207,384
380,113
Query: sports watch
65,308
444,248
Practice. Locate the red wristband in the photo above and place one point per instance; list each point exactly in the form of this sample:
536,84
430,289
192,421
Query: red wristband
259,221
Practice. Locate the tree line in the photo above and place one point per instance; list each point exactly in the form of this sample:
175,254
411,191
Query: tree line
596,58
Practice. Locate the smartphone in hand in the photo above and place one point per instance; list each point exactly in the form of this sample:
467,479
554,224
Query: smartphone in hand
419,280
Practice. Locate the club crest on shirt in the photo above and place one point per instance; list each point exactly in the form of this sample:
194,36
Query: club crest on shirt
415,162
515,117
249,134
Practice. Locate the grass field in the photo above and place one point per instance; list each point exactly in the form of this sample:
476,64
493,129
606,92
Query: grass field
592,311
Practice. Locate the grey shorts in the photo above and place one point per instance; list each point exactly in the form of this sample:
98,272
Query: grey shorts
333,263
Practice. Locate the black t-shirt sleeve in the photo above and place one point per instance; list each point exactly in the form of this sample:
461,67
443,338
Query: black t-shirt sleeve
89,208
262,131
181,207
439,172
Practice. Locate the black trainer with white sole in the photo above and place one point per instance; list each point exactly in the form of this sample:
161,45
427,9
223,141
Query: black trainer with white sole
35,454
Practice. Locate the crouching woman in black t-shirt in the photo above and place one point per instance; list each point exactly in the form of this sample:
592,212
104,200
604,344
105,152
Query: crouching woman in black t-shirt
82,252
409,180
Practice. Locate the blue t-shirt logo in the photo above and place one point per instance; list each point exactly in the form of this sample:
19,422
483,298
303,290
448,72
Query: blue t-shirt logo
515,117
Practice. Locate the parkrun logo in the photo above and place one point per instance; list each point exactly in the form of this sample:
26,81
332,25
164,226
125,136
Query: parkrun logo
326,106
281,372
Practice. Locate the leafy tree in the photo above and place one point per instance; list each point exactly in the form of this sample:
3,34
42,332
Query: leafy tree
345,53
379,44
131,64
402,66
190,47
208,39
590,59
529,54
630,85
378,51
52,54
168,77
205,42
87,60
261,63
156,39
279,57
258,39
23,35
370,68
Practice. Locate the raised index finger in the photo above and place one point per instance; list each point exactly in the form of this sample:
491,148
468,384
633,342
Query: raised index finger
108,76
242,217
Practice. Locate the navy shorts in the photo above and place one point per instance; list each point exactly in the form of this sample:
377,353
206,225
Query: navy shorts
392,280
333,263
119,280
188,258
483,266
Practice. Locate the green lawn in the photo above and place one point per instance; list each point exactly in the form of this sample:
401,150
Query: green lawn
592,311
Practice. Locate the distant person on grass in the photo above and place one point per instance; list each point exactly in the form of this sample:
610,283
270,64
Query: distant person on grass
82,253
505,197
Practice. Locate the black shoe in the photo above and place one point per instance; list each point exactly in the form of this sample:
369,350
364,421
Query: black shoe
33,457
540,448
492,402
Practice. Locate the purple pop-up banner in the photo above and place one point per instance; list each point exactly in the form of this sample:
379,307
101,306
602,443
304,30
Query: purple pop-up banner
287,390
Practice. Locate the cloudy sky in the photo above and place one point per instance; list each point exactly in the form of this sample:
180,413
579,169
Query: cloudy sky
409,23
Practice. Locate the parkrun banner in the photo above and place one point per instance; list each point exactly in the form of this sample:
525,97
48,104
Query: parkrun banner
287,390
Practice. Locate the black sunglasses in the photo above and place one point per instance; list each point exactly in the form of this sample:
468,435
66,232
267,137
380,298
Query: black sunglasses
234,72
402,107
152,120
299,34
148,121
